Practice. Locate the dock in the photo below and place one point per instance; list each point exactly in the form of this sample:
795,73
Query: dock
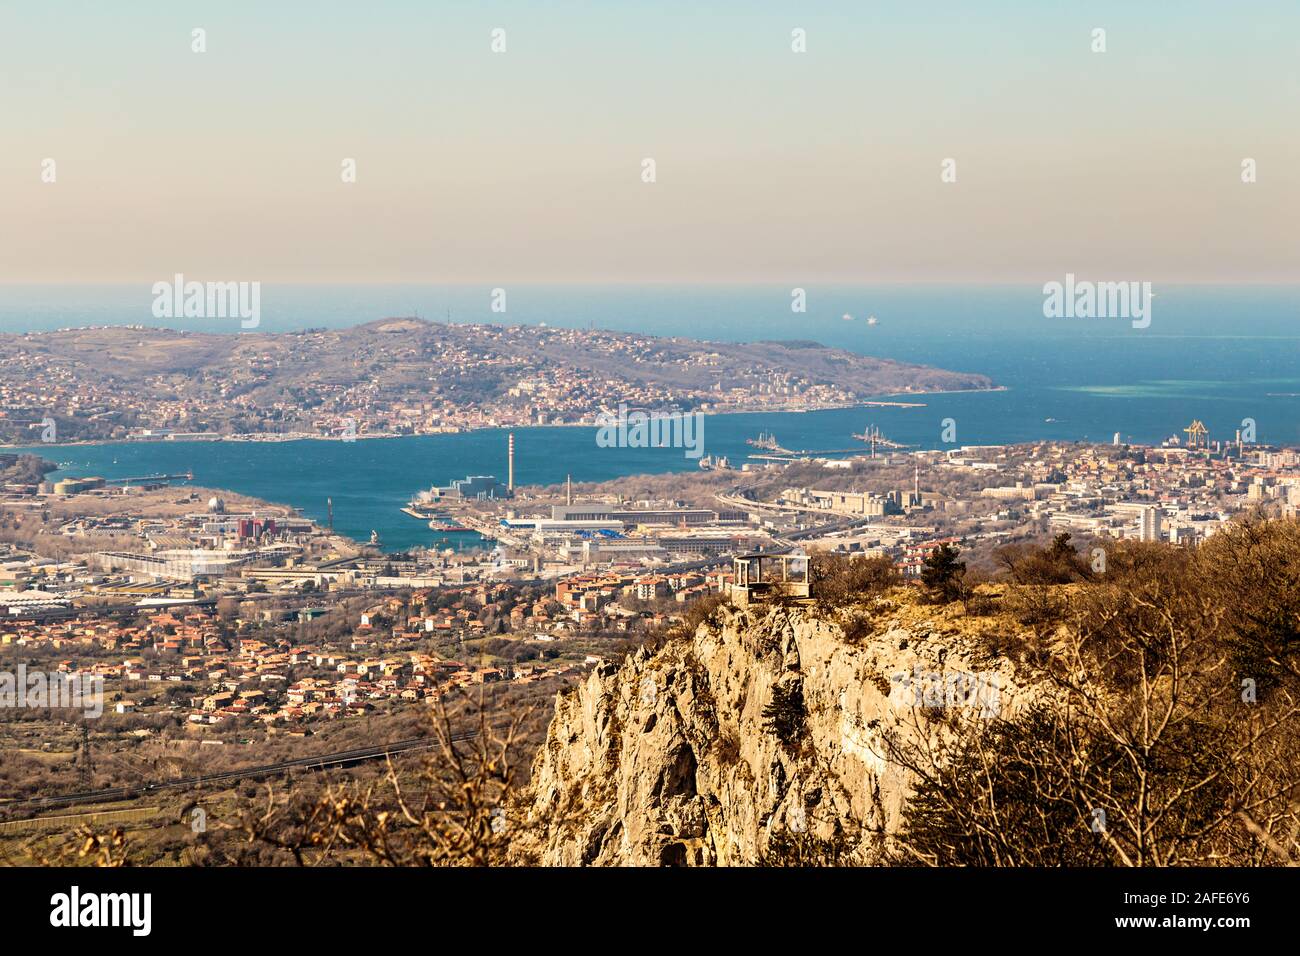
807,454
188,476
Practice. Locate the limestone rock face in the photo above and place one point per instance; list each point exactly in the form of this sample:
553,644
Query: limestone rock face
668,758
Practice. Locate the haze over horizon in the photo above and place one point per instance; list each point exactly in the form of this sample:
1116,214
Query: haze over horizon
526,165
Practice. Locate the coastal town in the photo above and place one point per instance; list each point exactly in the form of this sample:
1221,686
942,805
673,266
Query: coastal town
450,444
191,663
215,612
406,377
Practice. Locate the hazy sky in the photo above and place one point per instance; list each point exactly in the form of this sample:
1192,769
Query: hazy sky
527,165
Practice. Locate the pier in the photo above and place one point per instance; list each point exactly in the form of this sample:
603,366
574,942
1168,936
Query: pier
188,476
806,454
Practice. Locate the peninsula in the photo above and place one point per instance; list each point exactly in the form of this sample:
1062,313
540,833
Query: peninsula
409,377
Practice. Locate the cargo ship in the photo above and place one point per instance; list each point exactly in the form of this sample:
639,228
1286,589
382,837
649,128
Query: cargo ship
446,524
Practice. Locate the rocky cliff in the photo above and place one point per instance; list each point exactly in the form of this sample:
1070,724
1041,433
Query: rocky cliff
766,721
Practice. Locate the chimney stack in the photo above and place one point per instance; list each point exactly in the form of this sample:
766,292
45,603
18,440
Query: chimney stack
510,482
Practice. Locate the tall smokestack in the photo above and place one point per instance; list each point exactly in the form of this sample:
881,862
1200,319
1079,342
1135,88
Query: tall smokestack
568,489
510,481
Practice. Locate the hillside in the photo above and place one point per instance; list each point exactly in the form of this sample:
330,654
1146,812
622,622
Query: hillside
411,376
1147,714
667,759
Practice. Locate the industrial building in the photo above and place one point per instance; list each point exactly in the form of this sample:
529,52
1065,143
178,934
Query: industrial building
611,550
632,517
175,565
75,486
857,503
471,487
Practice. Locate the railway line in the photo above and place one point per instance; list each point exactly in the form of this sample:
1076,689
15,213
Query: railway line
318,762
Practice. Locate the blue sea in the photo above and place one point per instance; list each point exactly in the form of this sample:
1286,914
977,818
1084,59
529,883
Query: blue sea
1222,354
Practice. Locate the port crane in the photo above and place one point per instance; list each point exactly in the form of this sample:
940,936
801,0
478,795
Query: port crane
766,441
874,438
